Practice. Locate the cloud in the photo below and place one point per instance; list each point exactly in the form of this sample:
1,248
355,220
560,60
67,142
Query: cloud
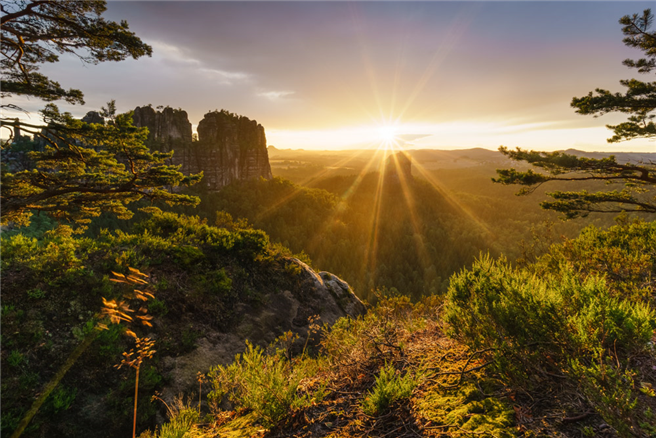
226,77
275,95
352,62
170,53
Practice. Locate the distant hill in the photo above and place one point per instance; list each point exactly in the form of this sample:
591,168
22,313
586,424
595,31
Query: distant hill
302,166
622,157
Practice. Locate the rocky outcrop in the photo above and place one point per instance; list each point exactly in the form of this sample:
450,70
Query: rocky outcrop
318,294
234,147
229,147
167,128
93,117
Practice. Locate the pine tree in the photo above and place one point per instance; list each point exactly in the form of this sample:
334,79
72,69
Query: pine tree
36,32
638,180
82,169
88,168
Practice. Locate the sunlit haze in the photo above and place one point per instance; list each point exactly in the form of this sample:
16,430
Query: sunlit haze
358,75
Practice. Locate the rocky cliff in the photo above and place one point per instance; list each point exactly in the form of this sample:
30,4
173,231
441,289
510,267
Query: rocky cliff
234,147
229,147
169,128
321,295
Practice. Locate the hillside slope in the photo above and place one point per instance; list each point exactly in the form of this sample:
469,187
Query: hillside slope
213,287
563,347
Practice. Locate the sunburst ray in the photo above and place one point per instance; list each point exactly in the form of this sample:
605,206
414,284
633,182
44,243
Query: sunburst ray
452,200
422,254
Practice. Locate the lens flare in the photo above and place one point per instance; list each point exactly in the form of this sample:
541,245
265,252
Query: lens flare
387,134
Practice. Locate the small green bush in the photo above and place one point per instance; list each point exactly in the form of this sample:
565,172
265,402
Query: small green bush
61,399
216,282
251,243
180,424
581,310
495,306
390,387
36,293
293,268
187,255
265,384
157,307
15,359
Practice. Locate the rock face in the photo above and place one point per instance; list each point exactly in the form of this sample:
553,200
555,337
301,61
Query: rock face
234,147
93,117
169,127
229,147
321,294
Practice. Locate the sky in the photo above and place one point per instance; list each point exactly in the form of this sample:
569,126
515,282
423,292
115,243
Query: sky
342,75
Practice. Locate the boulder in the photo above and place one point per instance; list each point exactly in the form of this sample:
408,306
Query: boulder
318,294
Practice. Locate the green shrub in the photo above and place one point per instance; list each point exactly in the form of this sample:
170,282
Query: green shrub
265,384
293,269
495,306
15,359
6,310
216,282
187,255
390,387
571,312
61,399
157,307
251,243
624,254
180,424
36,293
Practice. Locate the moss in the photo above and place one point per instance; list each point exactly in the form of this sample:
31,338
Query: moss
468,409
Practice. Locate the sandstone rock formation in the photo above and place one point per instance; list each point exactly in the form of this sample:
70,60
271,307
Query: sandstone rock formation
93,117
234,147
321,294
167,129
229,147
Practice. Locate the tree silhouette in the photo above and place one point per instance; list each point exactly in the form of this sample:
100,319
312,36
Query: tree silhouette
638,180
36,32
76,170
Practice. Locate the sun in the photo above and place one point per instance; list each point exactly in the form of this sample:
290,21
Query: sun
387,135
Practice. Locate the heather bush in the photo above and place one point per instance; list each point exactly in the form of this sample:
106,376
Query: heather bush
583,311
267,384
390,387
493,305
